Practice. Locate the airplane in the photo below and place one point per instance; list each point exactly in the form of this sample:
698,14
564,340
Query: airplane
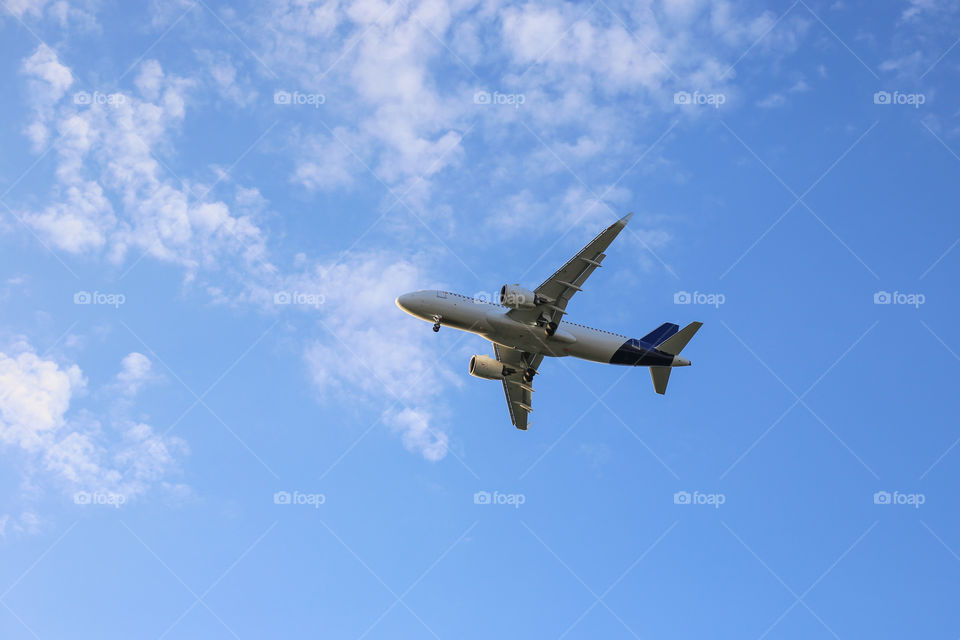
527,325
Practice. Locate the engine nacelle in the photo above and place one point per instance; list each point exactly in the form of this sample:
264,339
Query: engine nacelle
516,297
488,368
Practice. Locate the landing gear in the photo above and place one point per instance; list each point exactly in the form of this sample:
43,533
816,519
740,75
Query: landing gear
550,329
528,375
437,319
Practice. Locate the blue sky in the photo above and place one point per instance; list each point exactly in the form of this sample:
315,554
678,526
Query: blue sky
216,423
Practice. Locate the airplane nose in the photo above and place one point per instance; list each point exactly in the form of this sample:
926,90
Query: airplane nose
404,301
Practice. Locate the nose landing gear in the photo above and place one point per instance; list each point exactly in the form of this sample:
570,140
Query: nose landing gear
437,319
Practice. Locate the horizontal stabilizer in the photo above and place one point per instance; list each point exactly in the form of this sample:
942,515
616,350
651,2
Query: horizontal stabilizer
661,333
675,343
660,376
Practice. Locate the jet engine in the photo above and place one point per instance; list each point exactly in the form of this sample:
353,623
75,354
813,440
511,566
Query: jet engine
488,368
516,297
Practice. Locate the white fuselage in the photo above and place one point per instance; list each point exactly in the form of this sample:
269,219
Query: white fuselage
492,322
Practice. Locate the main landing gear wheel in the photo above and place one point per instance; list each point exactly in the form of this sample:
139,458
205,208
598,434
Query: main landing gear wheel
550,329
436,323
528,375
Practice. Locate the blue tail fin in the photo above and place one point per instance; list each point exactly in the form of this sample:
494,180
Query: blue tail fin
661,333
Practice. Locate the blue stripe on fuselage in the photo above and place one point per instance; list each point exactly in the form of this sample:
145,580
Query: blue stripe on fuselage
640,354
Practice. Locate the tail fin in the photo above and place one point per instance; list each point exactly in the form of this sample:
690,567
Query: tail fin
672,345
675,343
661,333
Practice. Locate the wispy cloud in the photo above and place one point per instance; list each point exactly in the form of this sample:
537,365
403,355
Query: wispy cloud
70,449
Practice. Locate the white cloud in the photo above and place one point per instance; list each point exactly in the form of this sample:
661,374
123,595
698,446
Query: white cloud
575,208
387,356
597,84
772,101
34,395
115,196
44,65
135,371
400,124
79,222
917,8
417,434
149,79
49,82
27,522
62,12
72,450
224,78
24,8
327,165
910,65
682,10
778,99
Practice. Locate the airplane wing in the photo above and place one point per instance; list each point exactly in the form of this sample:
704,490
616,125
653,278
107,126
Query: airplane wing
560,287
519,394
